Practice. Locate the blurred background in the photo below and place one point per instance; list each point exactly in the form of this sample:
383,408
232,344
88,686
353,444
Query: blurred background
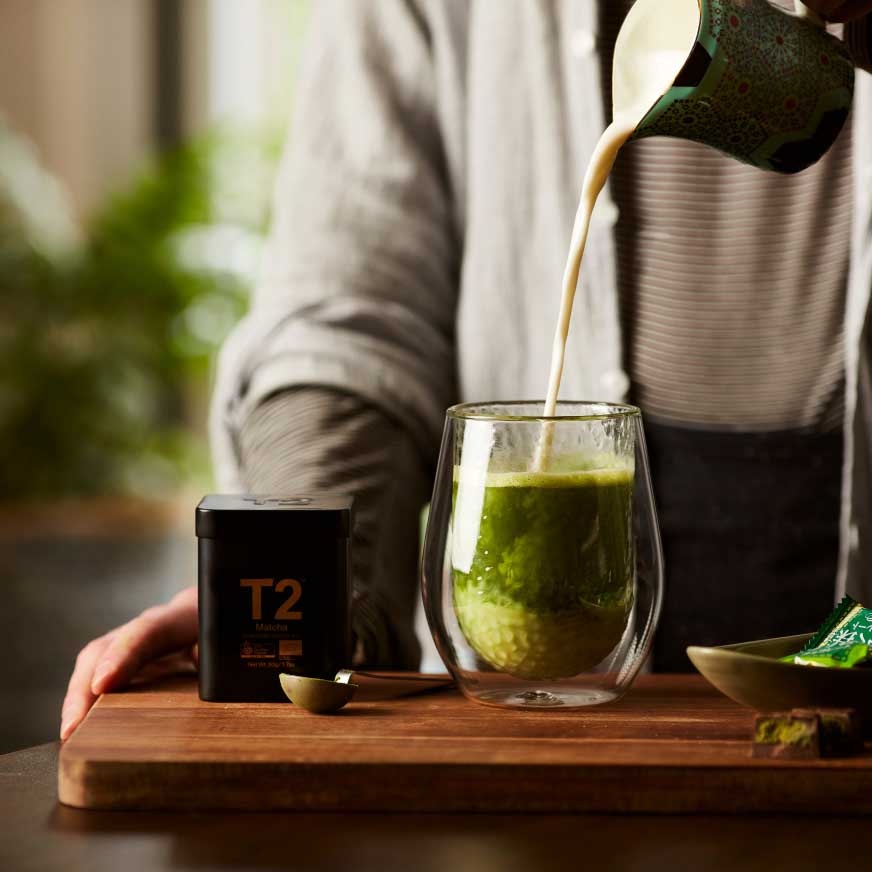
138,144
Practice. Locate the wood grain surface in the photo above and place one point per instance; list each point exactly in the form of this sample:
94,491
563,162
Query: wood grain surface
672,745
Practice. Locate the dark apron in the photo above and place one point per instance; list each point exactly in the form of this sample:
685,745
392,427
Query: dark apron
750,526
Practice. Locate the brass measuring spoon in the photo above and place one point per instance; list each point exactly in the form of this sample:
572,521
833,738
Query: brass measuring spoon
322,696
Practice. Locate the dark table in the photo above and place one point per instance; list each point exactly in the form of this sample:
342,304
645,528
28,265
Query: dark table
38,834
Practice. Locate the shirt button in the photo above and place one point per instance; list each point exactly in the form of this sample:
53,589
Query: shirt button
582,43
615,384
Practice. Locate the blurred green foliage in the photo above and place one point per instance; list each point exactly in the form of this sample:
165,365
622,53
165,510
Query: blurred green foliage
107,333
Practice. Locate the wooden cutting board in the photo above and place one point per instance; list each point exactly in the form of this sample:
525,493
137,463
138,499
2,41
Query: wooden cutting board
673,745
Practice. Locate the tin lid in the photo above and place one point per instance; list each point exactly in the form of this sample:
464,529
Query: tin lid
226,516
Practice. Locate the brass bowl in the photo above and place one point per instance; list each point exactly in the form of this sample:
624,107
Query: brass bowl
751,674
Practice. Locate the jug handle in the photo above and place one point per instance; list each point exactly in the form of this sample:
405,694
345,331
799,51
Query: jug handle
802,11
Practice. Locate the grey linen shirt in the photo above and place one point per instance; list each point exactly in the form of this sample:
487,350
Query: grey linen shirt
421,222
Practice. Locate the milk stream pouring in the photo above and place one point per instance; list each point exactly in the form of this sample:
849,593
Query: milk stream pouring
679,61
649,53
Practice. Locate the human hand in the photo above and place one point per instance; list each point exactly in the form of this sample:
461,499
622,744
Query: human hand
839,10
161,639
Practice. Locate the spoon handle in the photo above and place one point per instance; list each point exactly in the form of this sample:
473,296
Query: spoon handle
434,679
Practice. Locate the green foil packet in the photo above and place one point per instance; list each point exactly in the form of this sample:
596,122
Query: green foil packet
836,655
844,641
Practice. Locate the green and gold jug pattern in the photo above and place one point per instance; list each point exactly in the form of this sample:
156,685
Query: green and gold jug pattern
766,87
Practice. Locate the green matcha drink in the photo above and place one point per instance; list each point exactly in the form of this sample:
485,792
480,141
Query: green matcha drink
543,566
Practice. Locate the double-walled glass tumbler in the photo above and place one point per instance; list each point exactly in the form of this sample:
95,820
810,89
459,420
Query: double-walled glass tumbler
542,568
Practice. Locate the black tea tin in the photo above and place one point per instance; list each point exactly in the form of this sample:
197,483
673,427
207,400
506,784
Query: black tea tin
273,592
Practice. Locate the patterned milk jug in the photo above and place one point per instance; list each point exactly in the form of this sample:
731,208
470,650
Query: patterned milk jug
769,88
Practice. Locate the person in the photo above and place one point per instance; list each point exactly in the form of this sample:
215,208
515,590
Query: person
421,224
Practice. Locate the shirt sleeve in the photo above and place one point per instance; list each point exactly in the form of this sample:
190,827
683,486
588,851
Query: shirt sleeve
361,271
317,440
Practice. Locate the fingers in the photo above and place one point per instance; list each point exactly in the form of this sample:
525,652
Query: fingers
113,659
179,663
157,631
80,697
